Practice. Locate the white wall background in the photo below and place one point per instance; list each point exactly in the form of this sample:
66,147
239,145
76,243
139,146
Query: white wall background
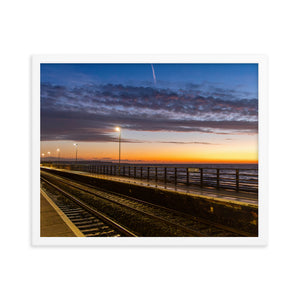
245,27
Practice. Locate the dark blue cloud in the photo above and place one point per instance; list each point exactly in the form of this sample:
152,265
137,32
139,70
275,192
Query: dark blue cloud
88,112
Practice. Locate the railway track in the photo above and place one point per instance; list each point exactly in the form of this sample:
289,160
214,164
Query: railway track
89,221
181,223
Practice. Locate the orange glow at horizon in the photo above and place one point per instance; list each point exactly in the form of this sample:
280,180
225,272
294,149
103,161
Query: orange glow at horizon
156,153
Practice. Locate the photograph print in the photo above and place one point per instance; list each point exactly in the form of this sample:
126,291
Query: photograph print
148,150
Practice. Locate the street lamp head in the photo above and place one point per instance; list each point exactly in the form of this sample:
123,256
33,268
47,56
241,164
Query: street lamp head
49,152
43,154
57,149
118,129
75,144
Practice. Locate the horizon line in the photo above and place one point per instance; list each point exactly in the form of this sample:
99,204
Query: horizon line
114,161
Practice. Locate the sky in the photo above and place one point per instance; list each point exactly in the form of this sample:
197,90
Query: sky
168,113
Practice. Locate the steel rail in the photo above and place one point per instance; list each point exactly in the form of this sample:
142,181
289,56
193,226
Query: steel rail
191,231
220,226
97,214
194,232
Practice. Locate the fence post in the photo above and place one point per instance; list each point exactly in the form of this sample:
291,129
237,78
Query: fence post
187,176
148,173
218,178
237,180
201,178
165,175
175,175
134,175
155,173
128,171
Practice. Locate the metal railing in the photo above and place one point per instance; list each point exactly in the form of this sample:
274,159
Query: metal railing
204,177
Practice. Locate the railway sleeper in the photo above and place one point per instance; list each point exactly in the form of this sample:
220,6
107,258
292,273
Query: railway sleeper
92,235
74,210
73,214
82,221
80,218
90,230
87,226
107,233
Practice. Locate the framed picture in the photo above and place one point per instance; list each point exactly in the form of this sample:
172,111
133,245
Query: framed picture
149,150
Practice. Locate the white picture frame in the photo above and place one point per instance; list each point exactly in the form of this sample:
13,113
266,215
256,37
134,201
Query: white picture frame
262,238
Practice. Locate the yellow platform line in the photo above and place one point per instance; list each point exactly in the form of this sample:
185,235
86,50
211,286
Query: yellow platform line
67,221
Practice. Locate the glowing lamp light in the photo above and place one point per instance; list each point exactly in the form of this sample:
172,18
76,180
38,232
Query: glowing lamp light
76,145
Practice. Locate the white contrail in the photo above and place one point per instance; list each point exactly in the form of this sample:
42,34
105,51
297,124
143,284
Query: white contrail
154,77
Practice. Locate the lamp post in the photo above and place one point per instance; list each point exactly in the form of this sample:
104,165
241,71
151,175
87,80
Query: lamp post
119,130
43,154
49,155
76,145
58,153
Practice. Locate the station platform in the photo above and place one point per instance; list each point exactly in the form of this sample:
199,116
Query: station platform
227,195
191,190
53,222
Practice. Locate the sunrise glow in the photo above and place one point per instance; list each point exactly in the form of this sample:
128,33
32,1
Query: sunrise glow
190,113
